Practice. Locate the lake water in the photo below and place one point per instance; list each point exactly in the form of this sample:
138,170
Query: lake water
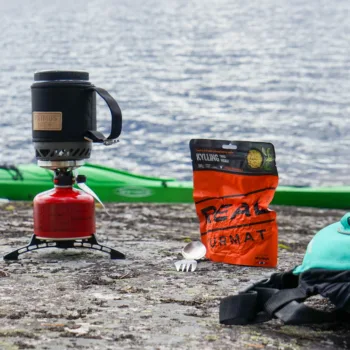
265,70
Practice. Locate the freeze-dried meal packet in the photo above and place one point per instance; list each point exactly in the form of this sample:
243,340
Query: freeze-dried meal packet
234,183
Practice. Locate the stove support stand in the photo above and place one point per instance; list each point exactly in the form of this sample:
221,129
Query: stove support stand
89,243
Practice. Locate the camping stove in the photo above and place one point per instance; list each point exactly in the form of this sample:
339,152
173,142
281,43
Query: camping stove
64,127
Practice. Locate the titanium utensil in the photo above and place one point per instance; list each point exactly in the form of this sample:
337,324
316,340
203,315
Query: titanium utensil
191,252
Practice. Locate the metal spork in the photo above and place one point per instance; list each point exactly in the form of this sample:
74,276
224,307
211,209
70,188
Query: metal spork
191,252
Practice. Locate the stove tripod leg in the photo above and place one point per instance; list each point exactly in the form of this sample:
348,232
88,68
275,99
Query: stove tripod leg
14,254
90,243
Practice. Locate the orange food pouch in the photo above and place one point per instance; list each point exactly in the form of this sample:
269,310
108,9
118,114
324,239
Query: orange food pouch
234,183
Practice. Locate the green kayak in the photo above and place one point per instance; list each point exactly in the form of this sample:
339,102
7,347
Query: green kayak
25,181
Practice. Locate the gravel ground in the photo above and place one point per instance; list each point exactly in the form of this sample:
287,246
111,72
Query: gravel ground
80,299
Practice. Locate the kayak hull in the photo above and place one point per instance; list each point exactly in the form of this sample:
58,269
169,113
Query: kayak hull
113,185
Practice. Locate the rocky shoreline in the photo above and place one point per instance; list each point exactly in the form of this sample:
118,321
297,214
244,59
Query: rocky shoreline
80,299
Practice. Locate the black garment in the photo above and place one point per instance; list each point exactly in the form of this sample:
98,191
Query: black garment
282,296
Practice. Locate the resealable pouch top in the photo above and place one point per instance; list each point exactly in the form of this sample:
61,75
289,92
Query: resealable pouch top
234,183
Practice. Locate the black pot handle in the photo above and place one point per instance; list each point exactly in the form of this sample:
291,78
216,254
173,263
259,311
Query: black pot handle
116,126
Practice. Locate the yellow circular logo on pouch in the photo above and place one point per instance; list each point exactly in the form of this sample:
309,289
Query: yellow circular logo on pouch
255,158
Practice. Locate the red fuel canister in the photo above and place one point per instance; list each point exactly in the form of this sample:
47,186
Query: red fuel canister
64,213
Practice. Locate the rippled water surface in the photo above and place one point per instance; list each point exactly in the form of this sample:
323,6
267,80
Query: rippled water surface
267,70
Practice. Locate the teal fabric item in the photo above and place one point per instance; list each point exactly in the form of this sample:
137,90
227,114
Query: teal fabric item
329,249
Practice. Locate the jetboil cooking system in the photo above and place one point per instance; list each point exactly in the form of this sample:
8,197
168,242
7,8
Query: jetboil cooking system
64,128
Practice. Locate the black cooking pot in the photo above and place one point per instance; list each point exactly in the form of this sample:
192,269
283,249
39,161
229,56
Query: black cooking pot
64,115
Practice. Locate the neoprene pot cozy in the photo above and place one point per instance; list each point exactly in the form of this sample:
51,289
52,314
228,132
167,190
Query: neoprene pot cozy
64,116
